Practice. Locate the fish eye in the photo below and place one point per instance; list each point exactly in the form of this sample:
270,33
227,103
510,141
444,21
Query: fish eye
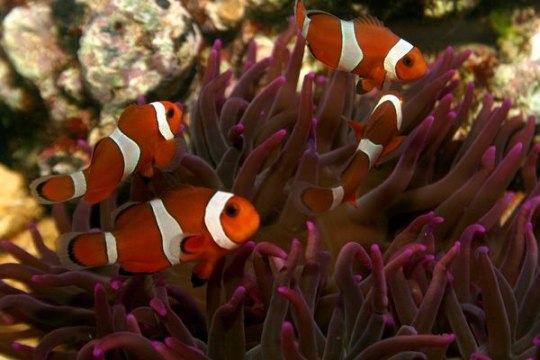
232,210
408,61
170,113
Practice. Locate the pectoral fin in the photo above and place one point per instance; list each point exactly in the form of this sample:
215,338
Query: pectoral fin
168,153
202,272
364,86
193,244
147,171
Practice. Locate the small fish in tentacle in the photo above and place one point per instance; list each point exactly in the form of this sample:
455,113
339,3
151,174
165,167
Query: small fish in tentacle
362,46
144,138
379,138
187,224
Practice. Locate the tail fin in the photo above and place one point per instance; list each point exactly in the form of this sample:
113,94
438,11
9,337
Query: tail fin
82,250
300,13
58,188
315,199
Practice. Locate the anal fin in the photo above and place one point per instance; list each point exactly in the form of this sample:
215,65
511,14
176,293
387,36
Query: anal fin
193,244
197,281
124,272
364,86
388,149
351,199
358,128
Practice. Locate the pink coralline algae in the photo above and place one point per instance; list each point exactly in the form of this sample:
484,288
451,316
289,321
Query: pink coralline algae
423,266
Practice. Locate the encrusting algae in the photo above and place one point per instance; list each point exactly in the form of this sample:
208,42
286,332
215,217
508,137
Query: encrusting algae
421,267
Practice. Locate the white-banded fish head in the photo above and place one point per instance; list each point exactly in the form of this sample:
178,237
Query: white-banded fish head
411,65
237,219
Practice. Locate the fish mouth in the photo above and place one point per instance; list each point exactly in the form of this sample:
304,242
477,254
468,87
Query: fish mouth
253,227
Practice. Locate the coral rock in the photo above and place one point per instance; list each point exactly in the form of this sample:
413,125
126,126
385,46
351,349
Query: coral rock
225,14
16,205
33,27
137,47
40,60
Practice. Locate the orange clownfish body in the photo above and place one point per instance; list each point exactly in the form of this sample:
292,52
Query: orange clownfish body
144,137
186,224
361,46
378,139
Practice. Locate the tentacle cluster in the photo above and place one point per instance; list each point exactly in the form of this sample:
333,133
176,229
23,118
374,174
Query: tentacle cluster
410,301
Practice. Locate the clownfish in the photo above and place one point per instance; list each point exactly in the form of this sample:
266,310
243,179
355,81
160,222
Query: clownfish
186,224
362,46
379,138
144,137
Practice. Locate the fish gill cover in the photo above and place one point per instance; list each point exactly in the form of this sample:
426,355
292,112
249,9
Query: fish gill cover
422,267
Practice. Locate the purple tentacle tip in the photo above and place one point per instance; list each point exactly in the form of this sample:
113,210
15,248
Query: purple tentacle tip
479,228
321,79
116,284
482,249
389,322
437,220
141,100
479,356
287,325
158,306
117,281
97,352
98,288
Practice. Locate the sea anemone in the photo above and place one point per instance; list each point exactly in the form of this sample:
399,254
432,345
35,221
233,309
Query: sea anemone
450,268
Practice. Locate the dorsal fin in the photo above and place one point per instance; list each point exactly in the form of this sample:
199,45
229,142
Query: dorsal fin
120,211
369,20
310,13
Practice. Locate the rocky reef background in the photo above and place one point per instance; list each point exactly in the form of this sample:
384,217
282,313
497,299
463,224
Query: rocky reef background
67,69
